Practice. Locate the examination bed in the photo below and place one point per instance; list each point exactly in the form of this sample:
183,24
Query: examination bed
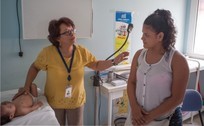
42,116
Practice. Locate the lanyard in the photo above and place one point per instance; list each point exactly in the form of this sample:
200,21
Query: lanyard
70,65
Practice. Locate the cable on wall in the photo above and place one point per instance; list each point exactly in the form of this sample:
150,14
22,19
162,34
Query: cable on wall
20,53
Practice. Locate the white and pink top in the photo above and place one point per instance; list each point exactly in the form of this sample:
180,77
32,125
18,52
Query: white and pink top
154,81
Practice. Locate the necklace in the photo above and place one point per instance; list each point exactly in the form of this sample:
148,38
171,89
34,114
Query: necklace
69,68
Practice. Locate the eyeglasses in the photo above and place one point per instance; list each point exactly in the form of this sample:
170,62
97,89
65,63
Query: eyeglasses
69,32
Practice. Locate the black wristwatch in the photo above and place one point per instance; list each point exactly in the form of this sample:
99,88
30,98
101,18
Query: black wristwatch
113,62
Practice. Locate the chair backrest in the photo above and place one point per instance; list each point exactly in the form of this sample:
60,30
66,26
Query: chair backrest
192,101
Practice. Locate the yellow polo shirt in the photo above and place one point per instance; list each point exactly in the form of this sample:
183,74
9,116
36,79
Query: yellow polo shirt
50,61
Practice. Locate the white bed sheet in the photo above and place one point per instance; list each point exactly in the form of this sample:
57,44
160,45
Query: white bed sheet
42,116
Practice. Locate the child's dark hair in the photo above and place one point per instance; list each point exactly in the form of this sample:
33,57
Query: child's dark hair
161,21
4,117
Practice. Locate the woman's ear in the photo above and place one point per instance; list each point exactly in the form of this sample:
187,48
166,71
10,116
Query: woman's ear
160,36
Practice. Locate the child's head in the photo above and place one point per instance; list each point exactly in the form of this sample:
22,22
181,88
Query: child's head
7,111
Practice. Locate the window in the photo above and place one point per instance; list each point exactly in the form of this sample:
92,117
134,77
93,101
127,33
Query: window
196,29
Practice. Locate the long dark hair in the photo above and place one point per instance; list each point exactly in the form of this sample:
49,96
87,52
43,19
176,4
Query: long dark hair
161,21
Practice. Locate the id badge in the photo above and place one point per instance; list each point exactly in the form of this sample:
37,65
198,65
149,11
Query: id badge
68,92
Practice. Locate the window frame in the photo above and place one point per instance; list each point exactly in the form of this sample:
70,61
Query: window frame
191,30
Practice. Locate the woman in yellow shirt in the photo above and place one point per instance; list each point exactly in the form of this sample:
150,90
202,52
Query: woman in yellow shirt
64,63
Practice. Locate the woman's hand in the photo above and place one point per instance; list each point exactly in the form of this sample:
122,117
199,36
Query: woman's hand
121,57
138,116
148,118
20,92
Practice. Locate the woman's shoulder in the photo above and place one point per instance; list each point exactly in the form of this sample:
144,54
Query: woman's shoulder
178,55
179,59
81,48
138,52
141,50
50,47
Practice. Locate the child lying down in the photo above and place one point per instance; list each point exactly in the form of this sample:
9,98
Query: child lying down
21,104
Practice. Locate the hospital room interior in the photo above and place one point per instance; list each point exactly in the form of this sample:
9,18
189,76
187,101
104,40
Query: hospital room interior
24,25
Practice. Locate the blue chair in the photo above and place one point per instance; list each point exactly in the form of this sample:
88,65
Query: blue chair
193,102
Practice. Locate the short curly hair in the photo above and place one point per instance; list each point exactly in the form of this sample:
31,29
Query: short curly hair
54,29
161,21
